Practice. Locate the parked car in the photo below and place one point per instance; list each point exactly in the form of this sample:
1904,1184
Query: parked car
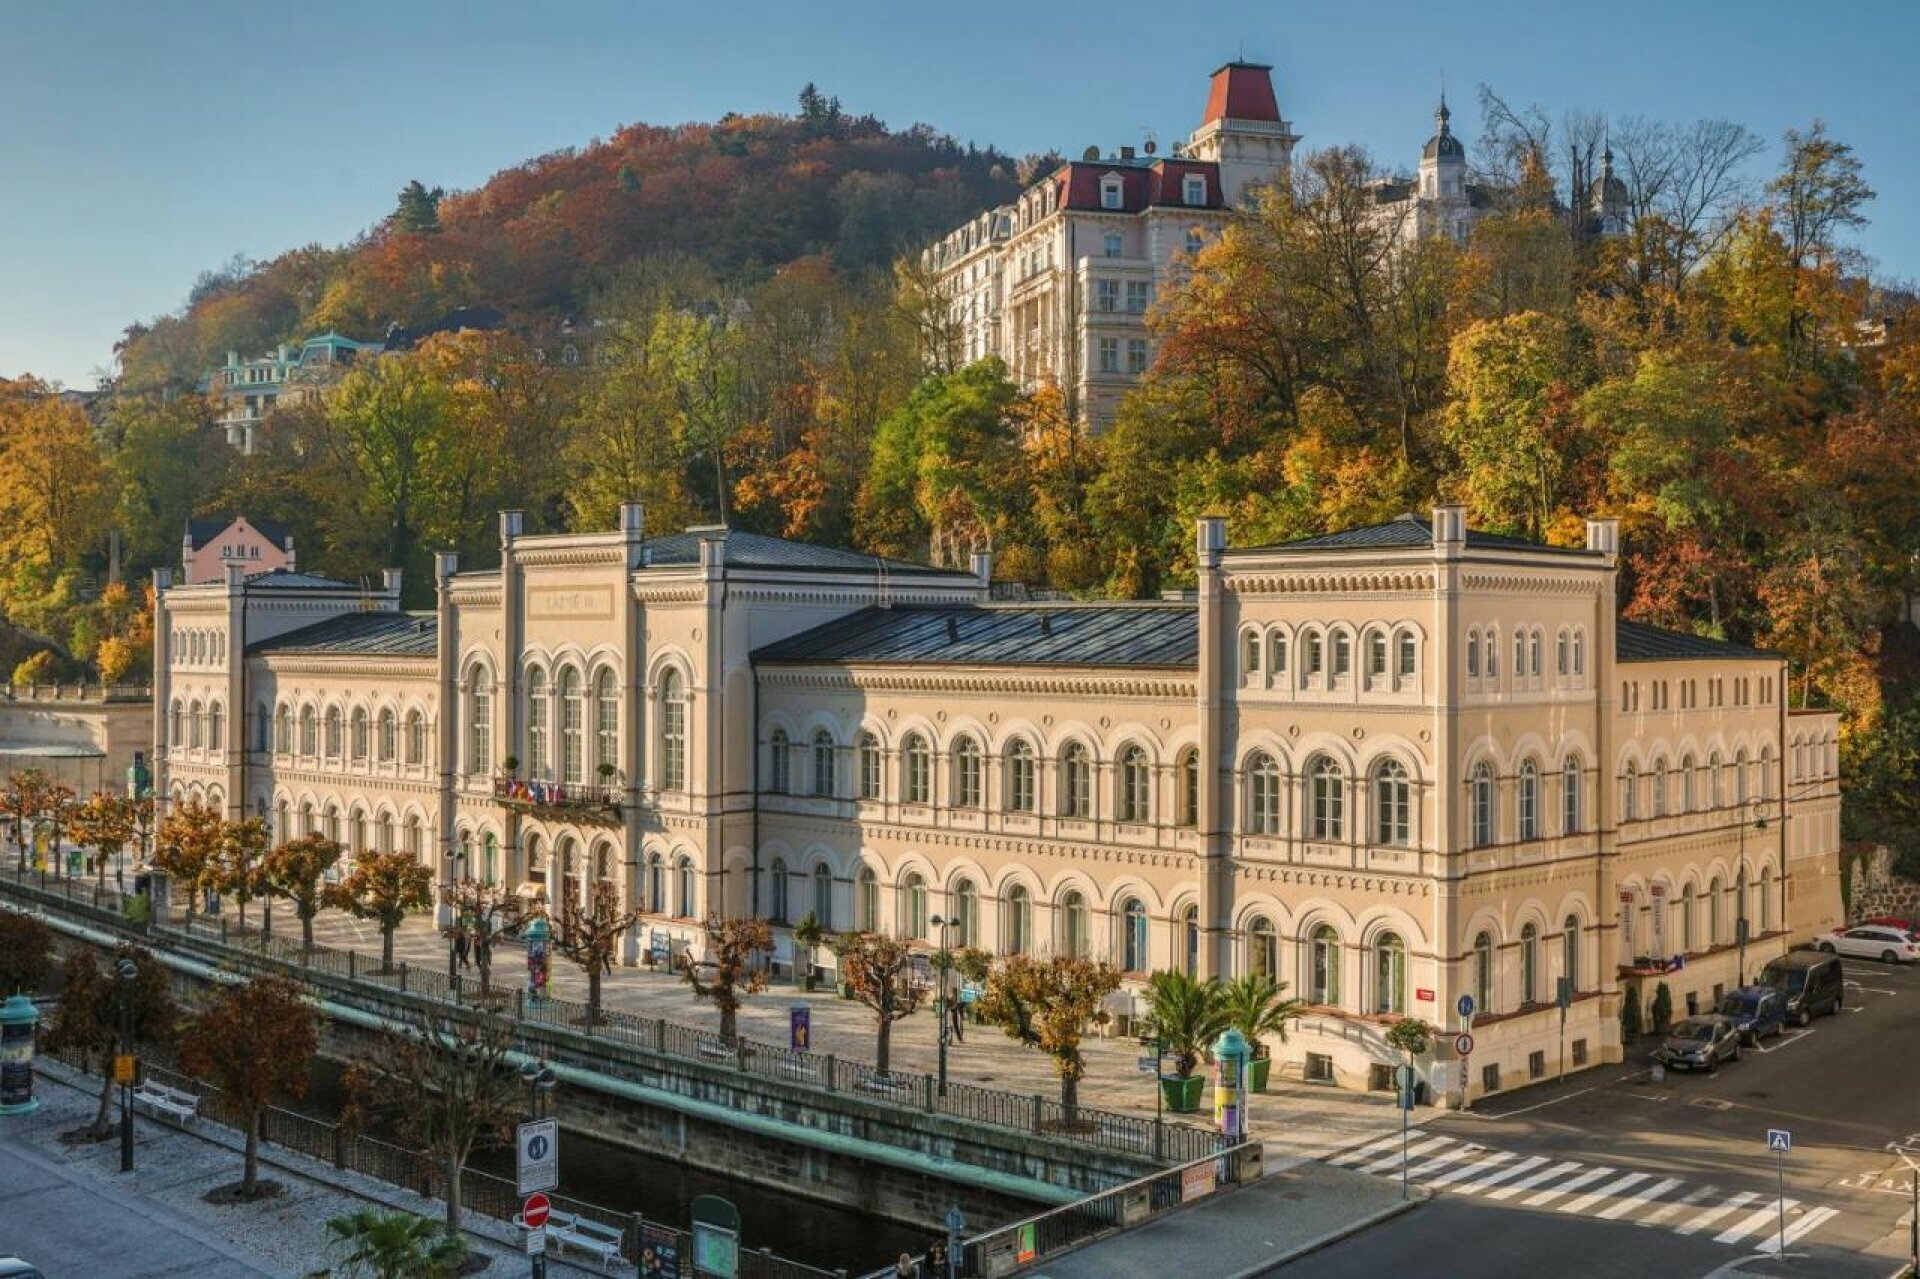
1812,980
1757,1011
1700,1043
14,1268
1888,945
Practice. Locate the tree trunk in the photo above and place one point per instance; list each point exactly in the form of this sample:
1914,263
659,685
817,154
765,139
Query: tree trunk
250,1175
103,1118
593,994
1070,1097
453,1171
306,930
883,1050
729,1024
386,948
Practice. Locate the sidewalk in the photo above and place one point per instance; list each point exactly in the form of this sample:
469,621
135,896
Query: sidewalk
1244,1232
1296,1119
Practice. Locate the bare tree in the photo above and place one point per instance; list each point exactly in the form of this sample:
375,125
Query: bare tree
732,969
590,936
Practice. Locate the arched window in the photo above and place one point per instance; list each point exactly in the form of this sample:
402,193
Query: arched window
869,766
1560,666
1407,663
490,858
1073,924
1579,654
779,763
1133,936
656,883
1389,974
282,731
684,872
1483,973
573,728
1376,655
673,732
359,734
823,896
1658,772
1076,781
1342,654
389,736
1250,655
383,832
416,738
1740,898
176,728
1713,789
966,773
965,913
1136,787
1326,800
479,722
309,731
1263,948
1190,939
1323,966
1316,658
1392,804
1766,899
1630,794
1473,654
1189,782
823,779
335,733
1016,937
194,716
1740,777
1766,772
539,726
606,725
262,728
1480,790
916,765
1570,951
1533,654
1686,920
777,891
1276,656
1570,795
1528,800
1263,795
1529,965
1689,797
216,726
308,824
1714,906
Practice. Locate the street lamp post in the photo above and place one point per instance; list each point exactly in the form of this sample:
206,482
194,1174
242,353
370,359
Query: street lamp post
1740,925
126,970
940,1000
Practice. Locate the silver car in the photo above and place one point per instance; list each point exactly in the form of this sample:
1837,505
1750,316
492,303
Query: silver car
1700,1043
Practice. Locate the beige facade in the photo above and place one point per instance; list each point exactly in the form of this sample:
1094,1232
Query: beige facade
1393,766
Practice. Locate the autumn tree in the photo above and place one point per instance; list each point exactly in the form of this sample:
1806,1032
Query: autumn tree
448,1085
26,953
89,1020
1047,1004
734,967
940,482
880,972
22,800
105,822
483,912
384,888
54,475
253,1042
57,807
297,870
590,936
1514,383
189,848
239,869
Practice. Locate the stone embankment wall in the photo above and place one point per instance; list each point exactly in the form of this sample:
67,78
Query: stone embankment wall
1876,890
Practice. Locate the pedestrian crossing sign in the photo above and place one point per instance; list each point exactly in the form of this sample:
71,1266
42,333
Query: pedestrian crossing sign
1779,1140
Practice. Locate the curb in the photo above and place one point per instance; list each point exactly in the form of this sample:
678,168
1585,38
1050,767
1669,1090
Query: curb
1420,1195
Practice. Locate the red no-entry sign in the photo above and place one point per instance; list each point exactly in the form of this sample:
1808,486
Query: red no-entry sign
534,1211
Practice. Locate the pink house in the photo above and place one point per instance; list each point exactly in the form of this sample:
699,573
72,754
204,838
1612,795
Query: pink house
259,546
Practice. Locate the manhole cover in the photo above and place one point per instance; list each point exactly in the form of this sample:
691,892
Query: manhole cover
1711,1103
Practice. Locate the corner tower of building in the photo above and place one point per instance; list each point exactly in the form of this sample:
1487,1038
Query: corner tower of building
1243,131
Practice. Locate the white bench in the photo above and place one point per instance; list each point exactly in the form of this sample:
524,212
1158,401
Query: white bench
570,1230
162,1100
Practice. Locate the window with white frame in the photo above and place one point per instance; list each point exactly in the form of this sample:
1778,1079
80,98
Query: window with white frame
1407,656
573,728
1076,781
673,732
1263,795
1106,295
539,708
1138,291
779,763
1527,795
916,775
1112,194
1570,795
1109,349
823,751
1189,770
966,773
869,766
1020,776
1136,355
1326,800
1114,245
1480,789
1392,804
1193,189
1136,785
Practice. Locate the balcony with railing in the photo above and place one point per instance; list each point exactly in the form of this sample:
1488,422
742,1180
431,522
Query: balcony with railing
559,800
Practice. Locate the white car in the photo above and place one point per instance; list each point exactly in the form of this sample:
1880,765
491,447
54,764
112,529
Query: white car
1888,945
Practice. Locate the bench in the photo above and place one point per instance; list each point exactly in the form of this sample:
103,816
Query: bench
713,1048
571,1230
888,1085
162,1100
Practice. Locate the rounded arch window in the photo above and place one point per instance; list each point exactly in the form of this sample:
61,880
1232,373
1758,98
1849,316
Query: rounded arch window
965,913
823,895
1483,972
777,890
1389,974
1073,924
1323,966
539,720
573,728
1528,800
1480,790
1133,936
1020,776
1326,799
869,763
1076,781
823,761
1263,948
1529,965
1263,794
966,773
779,762
1017,933
1136,786
1392,804
1570,951
916,763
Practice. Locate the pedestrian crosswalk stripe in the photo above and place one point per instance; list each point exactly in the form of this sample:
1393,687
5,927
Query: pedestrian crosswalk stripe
1712,1215
1807,1222
1586,1178
1493,1179
1442,1160
1629,1202
1698,1195
1465,1171
1348,1158
1752,1222
1538,1178
1393,1160
1607,1191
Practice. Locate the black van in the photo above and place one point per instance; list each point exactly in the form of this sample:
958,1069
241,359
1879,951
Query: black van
1811,980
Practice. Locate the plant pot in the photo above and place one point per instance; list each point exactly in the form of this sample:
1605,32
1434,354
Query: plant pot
846,990
807,983
1183,1095
1257,1071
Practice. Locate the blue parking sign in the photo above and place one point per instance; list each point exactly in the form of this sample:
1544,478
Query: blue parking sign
1465,1006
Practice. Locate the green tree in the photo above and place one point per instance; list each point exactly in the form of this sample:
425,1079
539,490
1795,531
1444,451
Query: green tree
395,1245
1186,1014
944,468
1510,422
418,210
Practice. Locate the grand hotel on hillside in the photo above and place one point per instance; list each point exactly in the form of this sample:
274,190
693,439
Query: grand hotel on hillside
1393,765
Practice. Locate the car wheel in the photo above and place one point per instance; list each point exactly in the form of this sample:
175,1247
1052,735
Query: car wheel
1805,1017
1827,948
1736,1052
1889,957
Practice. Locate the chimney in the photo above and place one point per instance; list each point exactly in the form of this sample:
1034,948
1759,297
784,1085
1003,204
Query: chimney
235,574
162,580
633,520
1126,153
1603,535
1449,526
713,552
445,564
512,525
1210,538
982,564
390,582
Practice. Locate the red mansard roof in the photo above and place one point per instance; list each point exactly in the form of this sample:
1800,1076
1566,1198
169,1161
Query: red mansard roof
1242,91
1155,182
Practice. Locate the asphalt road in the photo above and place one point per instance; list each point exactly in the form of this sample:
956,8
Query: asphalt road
1613,1174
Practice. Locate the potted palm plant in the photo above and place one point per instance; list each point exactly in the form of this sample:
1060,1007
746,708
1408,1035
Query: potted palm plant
1184,1014
1257,1005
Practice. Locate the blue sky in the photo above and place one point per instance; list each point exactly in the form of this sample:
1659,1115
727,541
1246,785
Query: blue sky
142,143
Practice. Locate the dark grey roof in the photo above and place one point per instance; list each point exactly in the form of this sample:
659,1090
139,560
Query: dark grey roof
1003,635
202,531
1411,531
1638,642
756,550
282,580
389,634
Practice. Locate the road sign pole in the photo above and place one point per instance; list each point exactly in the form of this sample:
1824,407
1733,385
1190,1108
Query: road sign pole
1403,1152
1780,1163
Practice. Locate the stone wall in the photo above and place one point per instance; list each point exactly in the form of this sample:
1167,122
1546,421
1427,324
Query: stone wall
1876,890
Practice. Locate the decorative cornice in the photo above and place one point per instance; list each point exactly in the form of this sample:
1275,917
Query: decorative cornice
680,592
999,681
1530,584
485,597
1378,883
571,556
397,665
1375,581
